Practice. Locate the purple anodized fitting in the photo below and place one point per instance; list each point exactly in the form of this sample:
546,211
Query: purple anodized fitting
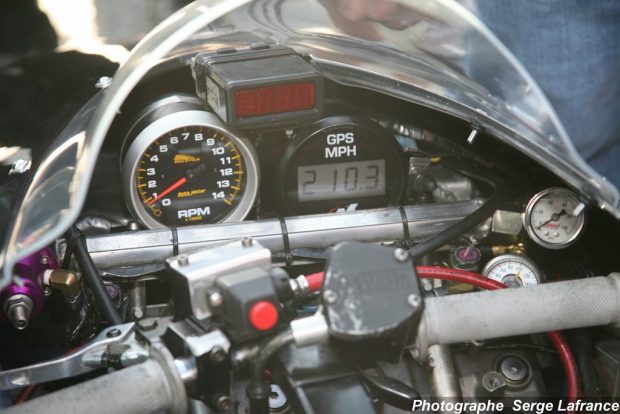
24,299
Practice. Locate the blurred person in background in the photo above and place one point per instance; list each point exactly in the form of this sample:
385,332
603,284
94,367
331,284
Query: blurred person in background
572,49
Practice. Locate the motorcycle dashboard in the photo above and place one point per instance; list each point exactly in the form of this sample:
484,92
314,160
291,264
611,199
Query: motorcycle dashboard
418,83
180,163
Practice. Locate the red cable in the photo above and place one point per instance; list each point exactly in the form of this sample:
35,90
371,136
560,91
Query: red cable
315,281
570,365
462,276
25,394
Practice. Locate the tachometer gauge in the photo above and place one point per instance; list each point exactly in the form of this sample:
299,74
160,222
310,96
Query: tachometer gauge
513,270
187,168
341,164
554,218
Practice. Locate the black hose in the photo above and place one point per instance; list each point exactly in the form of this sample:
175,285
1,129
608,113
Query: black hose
92,278
455,231
583,349
257,390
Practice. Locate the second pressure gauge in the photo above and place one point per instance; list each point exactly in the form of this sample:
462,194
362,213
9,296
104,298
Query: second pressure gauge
513,270
555,218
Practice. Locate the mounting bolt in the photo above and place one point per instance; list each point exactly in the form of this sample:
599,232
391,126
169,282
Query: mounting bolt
147,324
330,296
514,369
427,285
183,260
401,255
493,381
103,82
47,291
216,299
138,313
223,403
415,352
18,309
44,260
218,355
414,300
277,399
113,333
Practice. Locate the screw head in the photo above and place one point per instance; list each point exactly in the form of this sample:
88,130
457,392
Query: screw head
218,355
514,369
493,381
113,333
216,299
246,242
103,82
223,403
47,291
330,296
183,260
138,313
414,300
44,260
401,255
147,324
277,399
427,285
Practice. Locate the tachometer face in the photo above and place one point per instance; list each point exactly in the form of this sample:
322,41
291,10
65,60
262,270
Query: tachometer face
195,173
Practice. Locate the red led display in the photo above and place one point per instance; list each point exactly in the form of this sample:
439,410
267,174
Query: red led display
275,99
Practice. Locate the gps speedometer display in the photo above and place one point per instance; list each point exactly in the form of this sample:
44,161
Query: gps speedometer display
341,180
341,164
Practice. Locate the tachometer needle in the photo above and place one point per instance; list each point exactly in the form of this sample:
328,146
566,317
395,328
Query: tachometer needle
168,191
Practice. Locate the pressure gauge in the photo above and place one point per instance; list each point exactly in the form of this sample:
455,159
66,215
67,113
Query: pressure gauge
554,218
513,270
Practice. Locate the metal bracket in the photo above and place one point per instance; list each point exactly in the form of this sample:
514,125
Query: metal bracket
67,366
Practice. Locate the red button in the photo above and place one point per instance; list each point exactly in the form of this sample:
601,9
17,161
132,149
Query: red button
263,315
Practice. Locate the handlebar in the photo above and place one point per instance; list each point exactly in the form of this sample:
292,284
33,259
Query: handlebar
527,310
155,385
144,388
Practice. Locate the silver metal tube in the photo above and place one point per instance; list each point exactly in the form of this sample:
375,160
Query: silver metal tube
313,231
520,311
310,330
141,389
443,376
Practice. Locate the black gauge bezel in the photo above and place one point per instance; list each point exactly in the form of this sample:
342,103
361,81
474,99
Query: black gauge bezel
392,153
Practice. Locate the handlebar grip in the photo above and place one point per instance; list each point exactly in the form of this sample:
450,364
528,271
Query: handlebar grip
143,388
520,311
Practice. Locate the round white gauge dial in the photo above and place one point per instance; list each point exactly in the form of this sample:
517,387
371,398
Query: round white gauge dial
554,218
513,270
